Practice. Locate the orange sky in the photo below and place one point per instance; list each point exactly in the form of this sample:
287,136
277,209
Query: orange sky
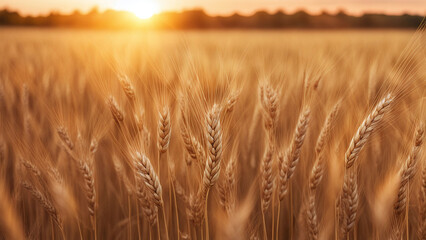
224,7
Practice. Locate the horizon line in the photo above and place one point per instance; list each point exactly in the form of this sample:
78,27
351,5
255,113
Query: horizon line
236,12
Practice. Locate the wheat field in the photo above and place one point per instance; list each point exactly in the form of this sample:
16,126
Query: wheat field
212,134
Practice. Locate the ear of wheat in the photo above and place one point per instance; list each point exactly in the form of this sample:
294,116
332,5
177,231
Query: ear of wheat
317,173
229,104
326,129
312,219
283,171
32,168
318,168
164,130
187,140
197,204
221,188
349,202
144,168
349,196
128,89
214,157
366,128
93,147
64,136
89,186
117,114
269,101
26,109
293,152
192,145
45,202
408,171
230,185
150,211
267,178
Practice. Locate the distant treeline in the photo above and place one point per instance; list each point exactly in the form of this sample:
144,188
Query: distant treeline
198,19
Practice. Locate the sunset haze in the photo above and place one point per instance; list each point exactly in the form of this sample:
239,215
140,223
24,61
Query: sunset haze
223,7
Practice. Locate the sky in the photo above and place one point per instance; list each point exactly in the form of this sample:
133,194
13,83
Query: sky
223,7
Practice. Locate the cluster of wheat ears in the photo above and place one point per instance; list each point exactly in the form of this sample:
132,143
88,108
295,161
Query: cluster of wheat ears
191,160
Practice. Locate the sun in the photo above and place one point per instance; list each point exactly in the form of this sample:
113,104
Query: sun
141,8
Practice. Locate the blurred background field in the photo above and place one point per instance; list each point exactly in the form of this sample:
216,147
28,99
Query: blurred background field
249,51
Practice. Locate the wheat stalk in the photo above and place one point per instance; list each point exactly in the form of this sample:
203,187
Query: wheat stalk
64,136
350,202
46,203
349,199
128,89
317,173
180,191
214,138
326,129
408,171
197,204
164,130
396,233
93,147
230,185
226,188
54,174
193,147
221,187
89,184
26,109
314,180
366,128
269,101
150,210
312,219
122,174
293,152
145,170
187,140
117,114
318,168
422,227
229,104
283,170
267,178
139,120
31,167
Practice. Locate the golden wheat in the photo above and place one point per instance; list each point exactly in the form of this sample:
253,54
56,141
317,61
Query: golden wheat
255,158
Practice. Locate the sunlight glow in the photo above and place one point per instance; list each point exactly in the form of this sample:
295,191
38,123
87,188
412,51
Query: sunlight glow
141,8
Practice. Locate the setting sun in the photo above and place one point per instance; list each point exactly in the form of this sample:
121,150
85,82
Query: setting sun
141,8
